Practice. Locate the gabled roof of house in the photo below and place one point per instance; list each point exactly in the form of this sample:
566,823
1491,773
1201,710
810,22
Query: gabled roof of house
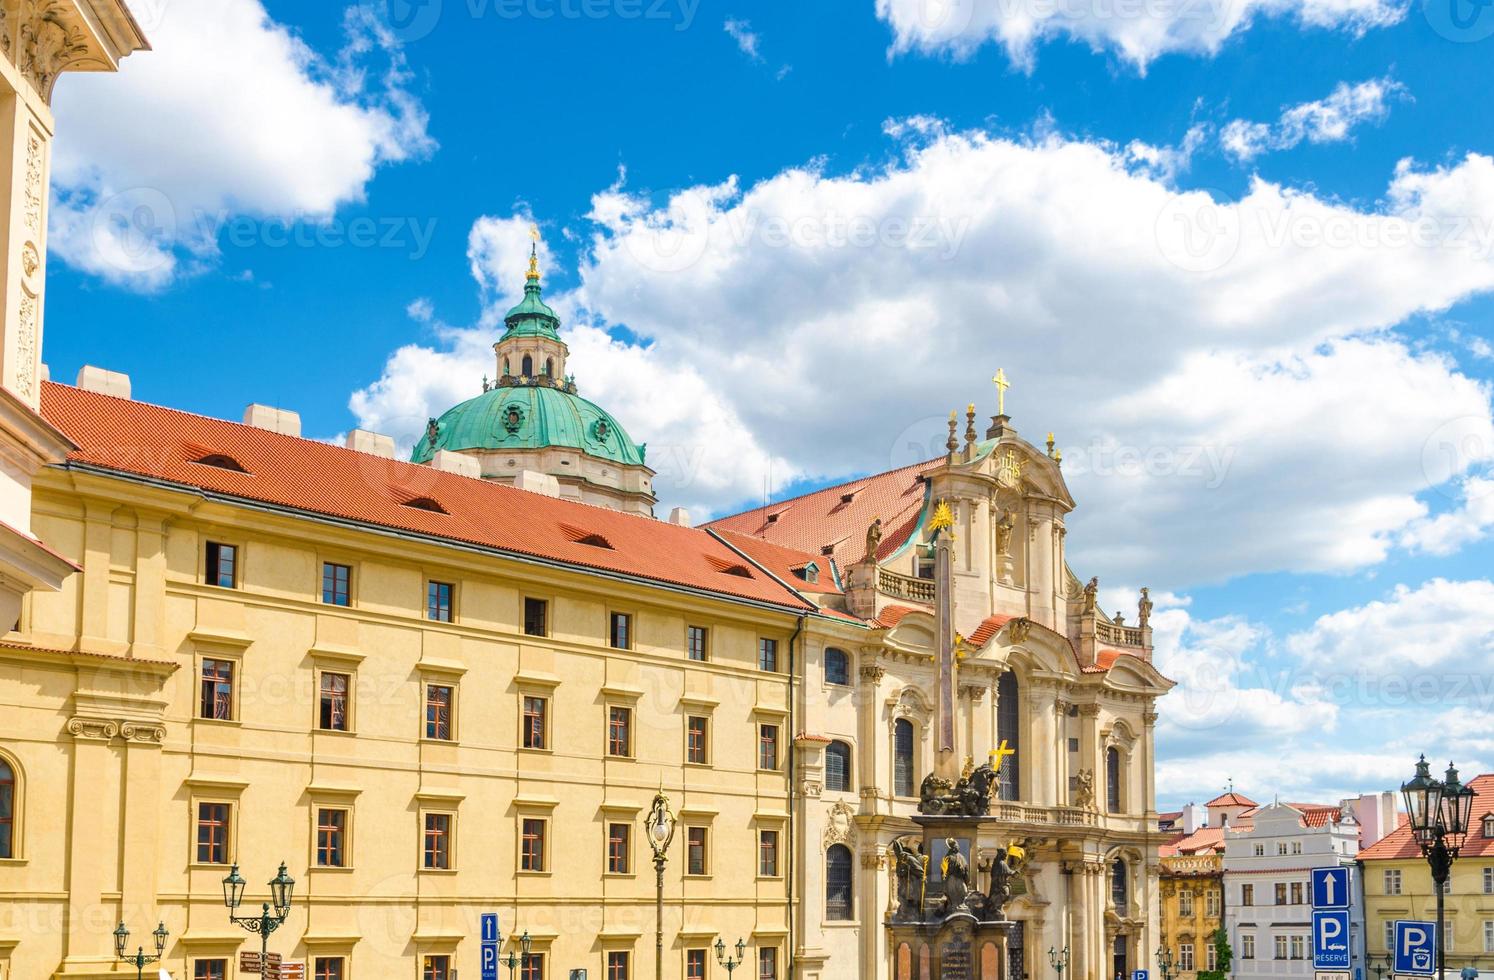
1231,798
254,465
836,518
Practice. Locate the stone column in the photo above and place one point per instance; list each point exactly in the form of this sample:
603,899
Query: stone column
25,154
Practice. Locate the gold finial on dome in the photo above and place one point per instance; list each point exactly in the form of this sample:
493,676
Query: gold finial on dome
534,264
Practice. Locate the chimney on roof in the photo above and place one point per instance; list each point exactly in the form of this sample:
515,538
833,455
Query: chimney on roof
46,372
373,443
459,463
680,516
97,379
536,482
1194,817
273,420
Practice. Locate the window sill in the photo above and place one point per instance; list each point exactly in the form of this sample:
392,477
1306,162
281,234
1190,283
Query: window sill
609,757
334,731
536,749
770,877
438,741
533,874
218,722
208,865
619,874
699,765
329,869
841,924
437,871
690,877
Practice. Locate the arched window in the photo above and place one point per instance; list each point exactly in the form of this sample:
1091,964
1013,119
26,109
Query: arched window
506,370
1113,780
902,758
8,796
526,366
838,881
1009,730
838,767
1119,891
549,367
837,666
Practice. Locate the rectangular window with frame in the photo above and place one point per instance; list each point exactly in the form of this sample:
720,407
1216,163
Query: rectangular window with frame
1211,906
331,837
212,832
222,565
436,968
619,846
697,740
1211,957
1281,848
1298,945
536,722
767,963
532,844
536,617
1392,881
438,601
1185,957
1185,902
1247,947
329,968
438,713
617,965
1247,894
620,631
1489,935
332,708
1279,947
1296,893
1389,936
1281,893
619,731
767,655
695,964
210,969
697,643
337,584
696,854
436,848
767,747
767,853
1489,881
216,701
532,967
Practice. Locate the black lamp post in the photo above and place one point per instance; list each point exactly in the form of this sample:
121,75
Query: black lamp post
281,888
514,962
660,832
1380,967
727,961
1439,812
139,959
1058,959
1164,962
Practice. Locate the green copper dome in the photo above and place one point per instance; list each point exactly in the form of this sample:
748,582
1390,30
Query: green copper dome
530,417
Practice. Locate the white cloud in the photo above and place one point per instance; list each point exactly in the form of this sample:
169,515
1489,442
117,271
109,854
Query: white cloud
1327,120
1442,627
230,115
1137,33
1167,162
1198,395
748,41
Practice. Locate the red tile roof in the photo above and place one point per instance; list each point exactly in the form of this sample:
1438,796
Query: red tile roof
786,563
988,628
1204,840
825,519
892,615
146,440
1229,799
1400,844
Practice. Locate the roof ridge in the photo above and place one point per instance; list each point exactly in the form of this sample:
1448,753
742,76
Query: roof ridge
866,478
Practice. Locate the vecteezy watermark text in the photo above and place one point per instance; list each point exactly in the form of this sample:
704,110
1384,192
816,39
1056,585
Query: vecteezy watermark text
411,20
409,234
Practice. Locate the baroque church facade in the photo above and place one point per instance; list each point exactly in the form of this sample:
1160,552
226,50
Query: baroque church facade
450,685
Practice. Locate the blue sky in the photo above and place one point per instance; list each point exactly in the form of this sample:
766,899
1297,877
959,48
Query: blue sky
1239,255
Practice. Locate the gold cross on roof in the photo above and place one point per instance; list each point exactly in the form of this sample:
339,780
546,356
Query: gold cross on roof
1001,385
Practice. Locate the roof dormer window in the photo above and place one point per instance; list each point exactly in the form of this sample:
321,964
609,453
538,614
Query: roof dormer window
221,461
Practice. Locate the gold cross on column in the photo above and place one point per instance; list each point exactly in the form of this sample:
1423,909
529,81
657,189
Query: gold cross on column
999,754
1001,385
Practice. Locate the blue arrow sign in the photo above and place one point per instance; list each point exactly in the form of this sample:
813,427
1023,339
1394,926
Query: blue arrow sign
490,927
1330,888
1415,946
1330,939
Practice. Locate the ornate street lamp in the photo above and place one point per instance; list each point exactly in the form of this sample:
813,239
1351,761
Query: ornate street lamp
514,962
1058,959
1164,963
660,829
140,960
1439,812
1381,967
727,961
282,887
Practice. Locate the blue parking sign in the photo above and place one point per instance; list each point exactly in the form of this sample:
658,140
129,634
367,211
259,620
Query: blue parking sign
1415,946
1330,888
489,961
1138,975
1330,939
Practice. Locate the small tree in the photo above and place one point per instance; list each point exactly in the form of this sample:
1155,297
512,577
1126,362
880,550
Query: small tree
1223,956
